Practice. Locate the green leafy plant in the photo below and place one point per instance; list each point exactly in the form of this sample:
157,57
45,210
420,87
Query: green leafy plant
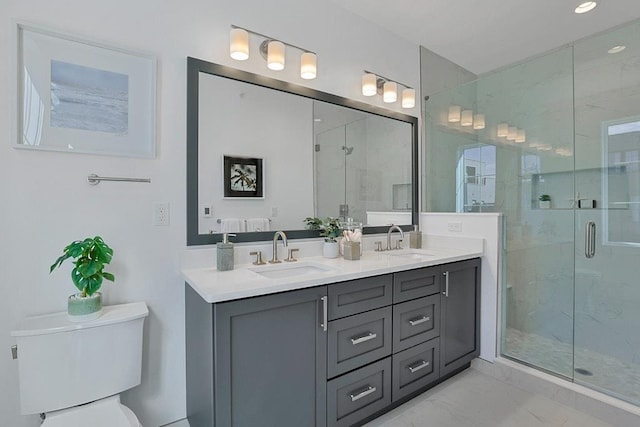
91,255
329,227
545,198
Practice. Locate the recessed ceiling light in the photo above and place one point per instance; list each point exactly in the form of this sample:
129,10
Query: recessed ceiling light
585,7
317,120
617,49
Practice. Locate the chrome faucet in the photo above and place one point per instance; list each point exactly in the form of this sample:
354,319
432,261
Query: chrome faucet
394,227
274,258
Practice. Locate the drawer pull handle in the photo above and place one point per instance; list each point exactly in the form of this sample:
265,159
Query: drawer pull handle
418,366
364,338
367,391
419,320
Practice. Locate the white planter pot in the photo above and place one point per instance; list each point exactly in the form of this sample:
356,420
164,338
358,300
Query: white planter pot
84,309
544,204
330,249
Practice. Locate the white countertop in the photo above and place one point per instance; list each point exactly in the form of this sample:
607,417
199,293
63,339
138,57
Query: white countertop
218,286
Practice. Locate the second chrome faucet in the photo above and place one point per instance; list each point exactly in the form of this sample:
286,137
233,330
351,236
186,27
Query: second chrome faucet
276,235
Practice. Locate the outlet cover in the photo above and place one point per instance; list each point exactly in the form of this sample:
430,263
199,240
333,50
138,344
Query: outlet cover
161,214
455,226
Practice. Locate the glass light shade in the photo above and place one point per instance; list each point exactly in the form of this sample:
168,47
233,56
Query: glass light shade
585,7
408,98
369,84
308,65
239,44
454,114
512,133
478,121
466,119
503,130
521,135
390,92
275,55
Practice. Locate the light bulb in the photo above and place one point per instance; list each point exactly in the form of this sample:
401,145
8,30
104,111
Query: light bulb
390,92
369,84
454,114
466,118
308,65
275,55
478,121
239,44
503,130
408,98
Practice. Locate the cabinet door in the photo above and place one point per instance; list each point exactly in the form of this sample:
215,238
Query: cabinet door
460,315
270,367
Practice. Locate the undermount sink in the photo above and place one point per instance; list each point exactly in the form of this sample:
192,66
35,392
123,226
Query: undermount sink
283,271
412,254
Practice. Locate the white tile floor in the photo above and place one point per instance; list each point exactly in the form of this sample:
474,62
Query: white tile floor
474,399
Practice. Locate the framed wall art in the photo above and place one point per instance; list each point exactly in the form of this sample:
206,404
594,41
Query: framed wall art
243,177
80,96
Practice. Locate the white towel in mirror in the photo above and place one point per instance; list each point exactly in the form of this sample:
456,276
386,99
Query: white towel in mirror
232,225
258,224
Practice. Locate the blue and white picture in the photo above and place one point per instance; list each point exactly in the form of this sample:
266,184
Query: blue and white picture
89,98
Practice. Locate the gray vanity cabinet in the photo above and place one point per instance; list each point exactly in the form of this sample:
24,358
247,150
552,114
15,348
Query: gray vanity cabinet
459,315
257,361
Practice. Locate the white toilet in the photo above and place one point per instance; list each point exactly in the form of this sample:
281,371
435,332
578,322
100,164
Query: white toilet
73,372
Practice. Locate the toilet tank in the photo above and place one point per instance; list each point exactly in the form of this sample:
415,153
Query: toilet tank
63,364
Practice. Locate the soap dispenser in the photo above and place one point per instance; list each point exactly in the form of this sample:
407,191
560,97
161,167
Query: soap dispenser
224,257
415,238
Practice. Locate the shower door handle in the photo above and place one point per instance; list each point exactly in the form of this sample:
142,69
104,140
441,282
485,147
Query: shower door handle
590,239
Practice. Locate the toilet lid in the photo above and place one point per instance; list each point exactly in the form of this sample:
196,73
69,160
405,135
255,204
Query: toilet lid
107,412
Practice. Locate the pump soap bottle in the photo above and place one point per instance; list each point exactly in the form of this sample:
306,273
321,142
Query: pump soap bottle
224,257
415,238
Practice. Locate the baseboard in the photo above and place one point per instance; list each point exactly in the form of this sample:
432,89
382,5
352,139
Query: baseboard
180,423
609,409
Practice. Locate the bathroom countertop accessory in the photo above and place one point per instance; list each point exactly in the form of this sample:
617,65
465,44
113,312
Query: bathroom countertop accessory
415,238
225,258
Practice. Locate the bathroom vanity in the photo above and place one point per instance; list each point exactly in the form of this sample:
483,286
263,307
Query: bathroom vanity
333,347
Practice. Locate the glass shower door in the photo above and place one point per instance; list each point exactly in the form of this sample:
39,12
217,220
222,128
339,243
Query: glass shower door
607,213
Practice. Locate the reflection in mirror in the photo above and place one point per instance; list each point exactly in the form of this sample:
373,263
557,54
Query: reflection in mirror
362,166
262,155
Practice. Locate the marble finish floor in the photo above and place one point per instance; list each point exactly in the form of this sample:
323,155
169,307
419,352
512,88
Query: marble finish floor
605,373
474,399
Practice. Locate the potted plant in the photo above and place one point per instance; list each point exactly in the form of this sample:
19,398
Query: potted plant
329,229
544,201
90,255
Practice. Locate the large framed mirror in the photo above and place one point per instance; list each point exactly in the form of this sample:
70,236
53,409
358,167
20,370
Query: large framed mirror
263,154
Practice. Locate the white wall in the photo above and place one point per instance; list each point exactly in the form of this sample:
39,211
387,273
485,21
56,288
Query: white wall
487,226
46,202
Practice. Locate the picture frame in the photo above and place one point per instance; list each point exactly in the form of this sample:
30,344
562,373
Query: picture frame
243,177
79,96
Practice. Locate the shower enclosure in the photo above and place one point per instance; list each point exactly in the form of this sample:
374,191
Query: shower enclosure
554,144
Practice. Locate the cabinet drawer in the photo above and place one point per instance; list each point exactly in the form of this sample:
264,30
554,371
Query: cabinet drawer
416,283
357,296
357,340
415,322
356,395
415,368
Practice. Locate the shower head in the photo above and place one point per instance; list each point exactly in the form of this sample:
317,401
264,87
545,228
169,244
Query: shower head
348,150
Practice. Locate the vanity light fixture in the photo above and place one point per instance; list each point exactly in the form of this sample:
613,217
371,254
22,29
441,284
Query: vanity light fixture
274,51
390,92
478,121
503,130
466,118
373,84
617,49
585,7
521,135
454,114
408,98
239,44
512,133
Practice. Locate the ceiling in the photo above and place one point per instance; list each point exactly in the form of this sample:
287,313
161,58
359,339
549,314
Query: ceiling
483,35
